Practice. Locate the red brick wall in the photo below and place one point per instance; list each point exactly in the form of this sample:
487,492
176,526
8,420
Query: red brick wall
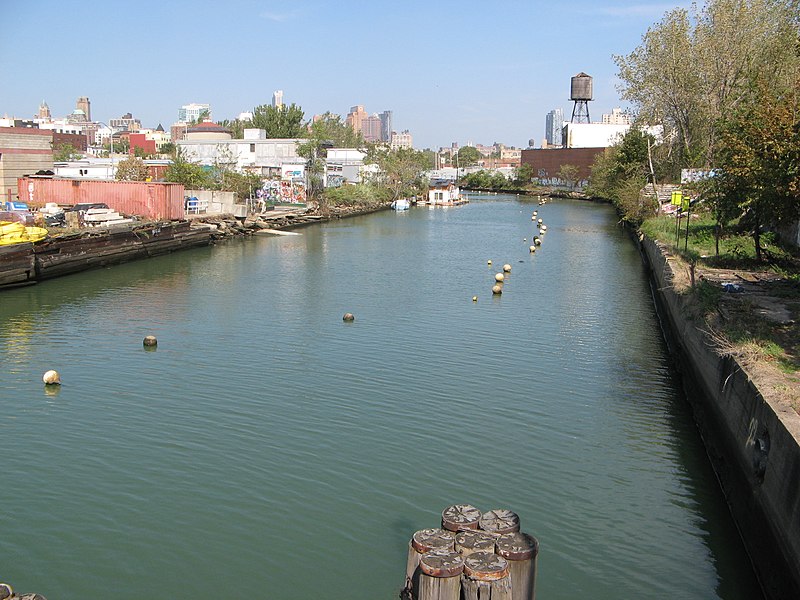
547,162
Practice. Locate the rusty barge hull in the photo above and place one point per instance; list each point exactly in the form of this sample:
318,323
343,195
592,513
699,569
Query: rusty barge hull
27,263
17,265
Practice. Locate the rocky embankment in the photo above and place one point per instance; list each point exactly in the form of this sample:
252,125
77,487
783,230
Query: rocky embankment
282,218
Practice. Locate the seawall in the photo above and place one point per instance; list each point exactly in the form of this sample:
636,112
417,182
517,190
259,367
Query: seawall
753,441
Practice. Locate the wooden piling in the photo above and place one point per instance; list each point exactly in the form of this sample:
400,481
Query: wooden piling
499,520
486,577
440,576
474,540
521,551
460,516
422,542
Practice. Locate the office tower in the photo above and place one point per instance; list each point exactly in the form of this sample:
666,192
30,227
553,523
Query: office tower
277,99
554,122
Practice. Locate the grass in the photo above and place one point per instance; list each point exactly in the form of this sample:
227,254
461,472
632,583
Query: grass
735,320
736,249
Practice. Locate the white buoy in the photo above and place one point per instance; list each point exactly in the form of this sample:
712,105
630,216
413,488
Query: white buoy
499,277
533,248
544,227
150,340
507,268
52,378
348,317
497,290
537,241
536,212
488,262
533,218
539,221
474,298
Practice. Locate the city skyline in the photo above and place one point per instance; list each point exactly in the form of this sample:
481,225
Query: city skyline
507,69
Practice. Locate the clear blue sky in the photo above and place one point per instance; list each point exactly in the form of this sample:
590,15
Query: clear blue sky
468,71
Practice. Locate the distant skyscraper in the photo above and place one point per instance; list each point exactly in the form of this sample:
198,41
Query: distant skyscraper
86,106
386,126
617,117
554,123
277,98
192,112
356,116
371,128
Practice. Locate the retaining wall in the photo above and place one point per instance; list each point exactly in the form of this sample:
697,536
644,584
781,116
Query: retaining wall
753,442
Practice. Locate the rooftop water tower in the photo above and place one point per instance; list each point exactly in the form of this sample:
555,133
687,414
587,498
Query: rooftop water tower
580,94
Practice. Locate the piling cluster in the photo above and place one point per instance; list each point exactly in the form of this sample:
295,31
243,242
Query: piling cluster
7,593
473,556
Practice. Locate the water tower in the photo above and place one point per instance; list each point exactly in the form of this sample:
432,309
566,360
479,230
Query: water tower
580,94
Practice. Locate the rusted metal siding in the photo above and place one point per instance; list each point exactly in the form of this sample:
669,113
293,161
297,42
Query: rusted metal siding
143,199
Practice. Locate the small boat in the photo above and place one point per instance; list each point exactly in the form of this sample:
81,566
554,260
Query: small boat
401,204
17,233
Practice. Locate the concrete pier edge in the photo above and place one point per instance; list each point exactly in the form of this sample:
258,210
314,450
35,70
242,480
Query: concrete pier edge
753,441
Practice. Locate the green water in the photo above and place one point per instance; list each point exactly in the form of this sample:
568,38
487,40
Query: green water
266,449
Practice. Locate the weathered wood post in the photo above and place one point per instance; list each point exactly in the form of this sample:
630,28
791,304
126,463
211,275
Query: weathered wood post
486,577
499,520
440,576
470,541
460,516
422,542
521,551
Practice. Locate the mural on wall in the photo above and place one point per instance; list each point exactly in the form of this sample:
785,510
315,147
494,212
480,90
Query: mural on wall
282,192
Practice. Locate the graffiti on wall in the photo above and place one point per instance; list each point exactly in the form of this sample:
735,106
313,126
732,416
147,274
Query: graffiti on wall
282,191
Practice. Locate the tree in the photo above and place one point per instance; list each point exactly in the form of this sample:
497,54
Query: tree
759,158
523,174
279,122
191,175
65,152
569,175
401,169
620,173
698,64
328,131
236,126
467,156
132,169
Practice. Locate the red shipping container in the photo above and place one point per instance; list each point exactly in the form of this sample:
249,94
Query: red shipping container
148,200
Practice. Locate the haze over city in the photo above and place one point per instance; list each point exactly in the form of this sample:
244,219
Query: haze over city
450,71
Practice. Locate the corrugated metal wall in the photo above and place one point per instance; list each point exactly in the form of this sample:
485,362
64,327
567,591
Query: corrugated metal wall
143,199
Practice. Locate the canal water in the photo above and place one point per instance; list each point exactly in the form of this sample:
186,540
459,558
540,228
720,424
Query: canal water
267,449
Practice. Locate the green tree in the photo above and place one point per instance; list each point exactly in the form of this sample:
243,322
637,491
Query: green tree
569,175
191,175
65,152
621,170
243,185
467,156
279,122
236,126
697,64
328,131
759,158
401,169
523,174
132,169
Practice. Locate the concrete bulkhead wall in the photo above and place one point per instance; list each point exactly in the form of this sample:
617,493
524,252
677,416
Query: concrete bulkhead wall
753,443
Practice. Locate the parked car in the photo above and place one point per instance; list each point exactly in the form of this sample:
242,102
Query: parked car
17,211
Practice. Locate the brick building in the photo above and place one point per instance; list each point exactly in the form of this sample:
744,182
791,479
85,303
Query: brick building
547,162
